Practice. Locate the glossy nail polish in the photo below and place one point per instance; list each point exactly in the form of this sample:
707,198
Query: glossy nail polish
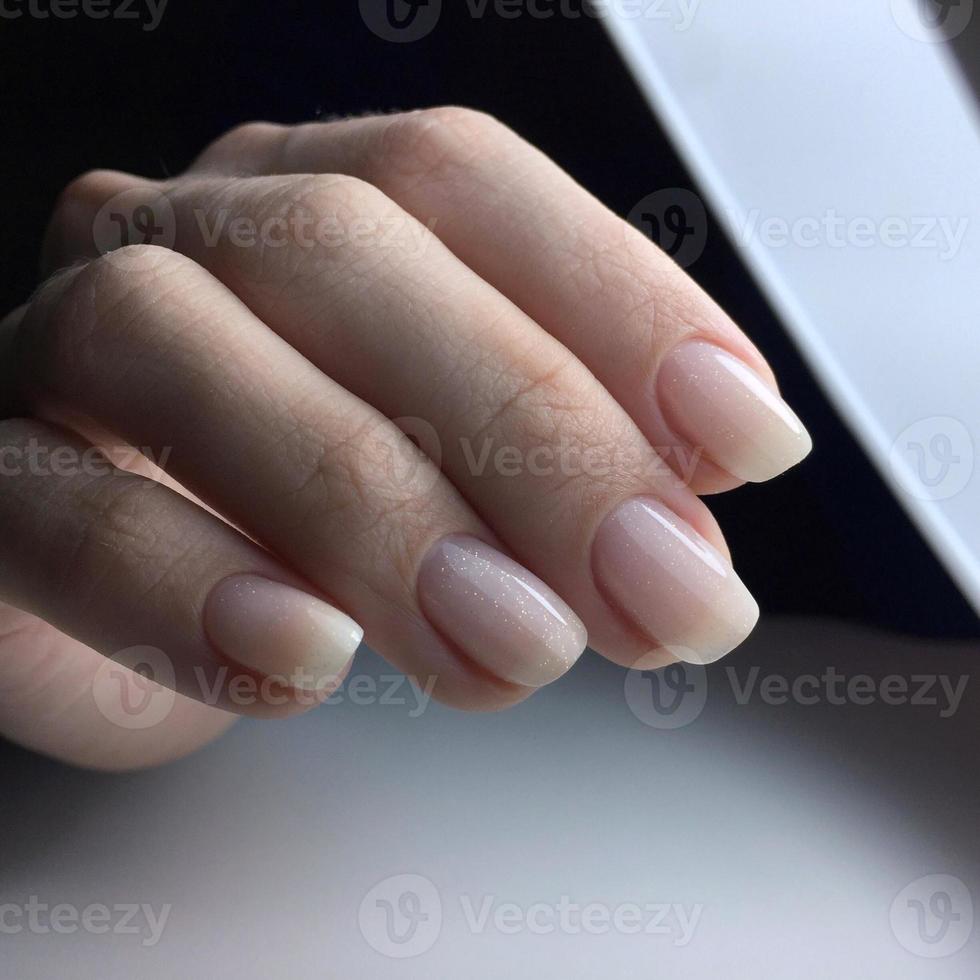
280,631
678,590
498,613
720,405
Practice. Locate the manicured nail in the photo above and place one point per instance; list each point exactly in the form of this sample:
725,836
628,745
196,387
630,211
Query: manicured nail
676,588
498,613
718,403
280,631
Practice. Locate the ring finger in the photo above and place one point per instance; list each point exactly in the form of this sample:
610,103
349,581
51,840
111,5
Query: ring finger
148,345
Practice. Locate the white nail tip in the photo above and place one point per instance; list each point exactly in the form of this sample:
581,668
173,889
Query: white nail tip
281,632
718,403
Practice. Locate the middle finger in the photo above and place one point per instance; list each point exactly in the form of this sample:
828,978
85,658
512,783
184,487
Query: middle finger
538,447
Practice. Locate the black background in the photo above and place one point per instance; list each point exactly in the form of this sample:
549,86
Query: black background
78,94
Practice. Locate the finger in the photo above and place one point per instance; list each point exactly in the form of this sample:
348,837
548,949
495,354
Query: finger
416,333
58,697
121,563
149,345
687,375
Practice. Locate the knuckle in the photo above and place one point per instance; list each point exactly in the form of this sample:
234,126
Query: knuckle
533,403
438,141
373,484
556,420
354,472
141,265
326,195
80,309
70,230
461,119
326,220
322,469
81,190
247,132
242,141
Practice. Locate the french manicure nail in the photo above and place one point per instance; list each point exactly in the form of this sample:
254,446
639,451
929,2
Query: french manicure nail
675,586
498,613
717,402
280,631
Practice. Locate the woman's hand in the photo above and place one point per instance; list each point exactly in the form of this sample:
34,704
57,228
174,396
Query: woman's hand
324,290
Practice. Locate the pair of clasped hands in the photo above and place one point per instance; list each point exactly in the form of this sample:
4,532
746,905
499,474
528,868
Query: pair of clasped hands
395,378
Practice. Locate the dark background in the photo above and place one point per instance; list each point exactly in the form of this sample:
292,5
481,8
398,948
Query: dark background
78,94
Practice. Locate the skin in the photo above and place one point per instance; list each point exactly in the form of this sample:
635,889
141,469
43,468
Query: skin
469,283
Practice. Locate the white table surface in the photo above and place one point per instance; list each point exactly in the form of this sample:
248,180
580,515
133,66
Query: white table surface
795,827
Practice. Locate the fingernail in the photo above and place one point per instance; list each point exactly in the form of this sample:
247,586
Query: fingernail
498,613
718,403
675,587
280,631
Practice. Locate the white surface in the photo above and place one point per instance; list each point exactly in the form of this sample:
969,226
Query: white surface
795,824
800,111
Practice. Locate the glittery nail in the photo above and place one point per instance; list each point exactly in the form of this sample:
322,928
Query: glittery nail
498,613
